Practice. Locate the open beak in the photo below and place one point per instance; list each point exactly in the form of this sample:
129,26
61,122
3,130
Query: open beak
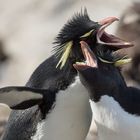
89,56
108,39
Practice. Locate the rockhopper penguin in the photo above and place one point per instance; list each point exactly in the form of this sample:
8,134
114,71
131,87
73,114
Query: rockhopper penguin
115,106
54,104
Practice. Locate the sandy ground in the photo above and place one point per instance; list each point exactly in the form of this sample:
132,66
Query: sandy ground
28,28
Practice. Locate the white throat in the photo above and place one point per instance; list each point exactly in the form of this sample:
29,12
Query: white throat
113,123
70,118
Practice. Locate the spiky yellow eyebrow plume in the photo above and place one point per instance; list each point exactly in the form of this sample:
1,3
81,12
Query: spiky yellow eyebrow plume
87,34
117,63
67,50
105,61
65,55
122,62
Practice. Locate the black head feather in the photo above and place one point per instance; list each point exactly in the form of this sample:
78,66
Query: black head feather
109,55
77,26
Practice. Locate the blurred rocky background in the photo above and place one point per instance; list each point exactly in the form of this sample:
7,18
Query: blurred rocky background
129,29
28,28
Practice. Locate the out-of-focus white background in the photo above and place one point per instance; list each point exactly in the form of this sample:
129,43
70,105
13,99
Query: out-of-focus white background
28,28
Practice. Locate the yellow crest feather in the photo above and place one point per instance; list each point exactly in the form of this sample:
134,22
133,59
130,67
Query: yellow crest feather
65,55
118,62
87,34
105,61
122,62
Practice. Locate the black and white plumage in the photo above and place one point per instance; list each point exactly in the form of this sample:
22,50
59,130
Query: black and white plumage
59,108
115,106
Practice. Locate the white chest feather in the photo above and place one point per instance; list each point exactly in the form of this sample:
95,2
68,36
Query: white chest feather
70,118
113,122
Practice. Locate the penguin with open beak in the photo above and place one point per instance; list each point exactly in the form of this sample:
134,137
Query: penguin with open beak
54,104
115,106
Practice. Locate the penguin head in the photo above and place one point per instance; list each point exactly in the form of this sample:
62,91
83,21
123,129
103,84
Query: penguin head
98,77
82,28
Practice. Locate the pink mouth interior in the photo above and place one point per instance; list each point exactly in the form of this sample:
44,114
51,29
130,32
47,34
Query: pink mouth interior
108,39
104,38
89,56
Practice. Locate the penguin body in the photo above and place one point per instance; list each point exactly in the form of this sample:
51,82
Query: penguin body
65,115
114,105
113,122
72,109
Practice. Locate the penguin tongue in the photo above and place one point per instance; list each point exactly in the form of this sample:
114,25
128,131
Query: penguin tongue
89,56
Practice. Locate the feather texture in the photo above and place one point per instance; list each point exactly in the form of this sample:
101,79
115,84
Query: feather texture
77,27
